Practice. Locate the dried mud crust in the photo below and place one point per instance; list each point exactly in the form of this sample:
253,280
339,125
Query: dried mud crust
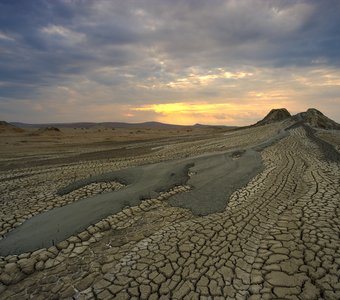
215,177
27,192
278,238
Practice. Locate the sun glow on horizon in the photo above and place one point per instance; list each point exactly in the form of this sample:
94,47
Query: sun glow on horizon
209,113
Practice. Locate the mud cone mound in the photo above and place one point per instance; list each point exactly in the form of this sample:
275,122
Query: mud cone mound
49,130
317,119
275,115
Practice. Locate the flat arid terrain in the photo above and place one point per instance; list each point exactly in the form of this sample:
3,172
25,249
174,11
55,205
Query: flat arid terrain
172,213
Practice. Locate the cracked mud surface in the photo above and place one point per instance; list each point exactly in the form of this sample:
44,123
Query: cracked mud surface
278,237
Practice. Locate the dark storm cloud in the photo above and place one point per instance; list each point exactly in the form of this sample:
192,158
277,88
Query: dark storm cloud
131,44
41,42
256,32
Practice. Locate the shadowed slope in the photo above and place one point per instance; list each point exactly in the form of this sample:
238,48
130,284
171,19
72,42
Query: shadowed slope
317,119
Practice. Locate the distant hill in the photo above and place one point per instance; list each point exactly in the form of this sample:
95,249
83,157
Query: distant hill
197,125
100,124
312,116
112,125
7,127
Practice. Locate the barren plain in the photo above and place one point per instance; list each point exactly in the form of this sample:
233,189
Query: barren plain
249,213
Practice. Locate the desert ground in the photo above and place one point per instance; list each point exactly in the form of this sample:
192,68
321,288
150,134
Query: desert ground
199,213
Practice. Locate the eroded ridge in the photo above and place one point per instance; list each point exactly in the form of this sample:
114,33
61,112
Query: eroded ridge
277,238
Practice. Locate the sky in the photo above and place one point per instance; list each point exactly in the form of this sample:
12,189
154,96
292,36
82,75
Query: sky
182,62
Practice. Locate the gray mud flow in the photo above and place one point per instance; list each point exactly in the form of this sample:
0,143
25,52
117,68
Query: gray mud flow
51,227
214,178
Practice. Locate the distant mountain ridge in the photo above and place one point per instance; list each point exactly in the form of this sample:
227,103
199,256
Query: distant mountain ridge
8,127
99,124
312,116
198,125
114,125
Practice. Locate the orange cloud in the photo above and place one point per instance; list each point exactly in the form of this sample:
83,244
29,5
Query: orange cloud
197,77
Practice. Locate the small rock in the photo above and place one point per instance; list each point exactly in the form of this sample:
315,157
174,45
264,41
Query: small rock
5,278
115,289
276,258
11,258
74,239
284,237
167,270
78,250
283,292
103,225
277,278
86,282
50,263
101,284
62,245
37,252
45,255
84,236
145,291
67,293
92,229
27,265
104,295
310,291
183,290
40,265
11,268
24,255
11,278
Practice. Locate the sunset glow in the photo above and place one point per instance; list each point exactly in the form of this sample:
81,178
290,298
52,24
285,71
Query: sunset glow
211,62
217,114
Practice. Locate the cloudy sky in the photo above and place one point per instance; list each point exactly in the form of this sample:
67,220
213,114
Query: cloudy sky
184,62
